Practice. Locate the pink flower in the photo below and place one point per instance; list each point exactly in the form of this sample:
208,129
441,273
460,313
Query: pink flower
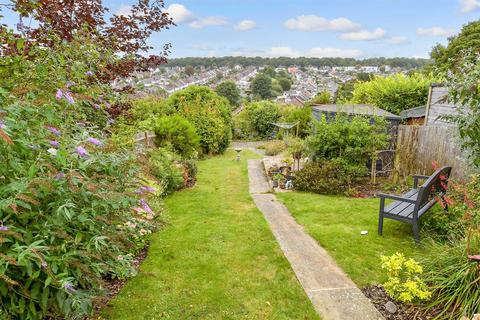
82,152
4,228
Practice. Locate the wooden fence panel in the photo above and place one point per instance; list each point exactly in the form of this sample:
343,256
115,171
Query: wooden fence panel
419,146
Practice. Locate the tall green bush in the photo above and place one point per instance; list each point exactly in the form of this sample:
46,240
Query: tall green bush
178,133
351,139
208,112
393,93
261,117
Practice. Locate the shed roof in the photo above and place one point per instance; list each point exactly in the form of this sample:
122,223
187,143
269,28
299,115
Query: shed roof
356,109
417,112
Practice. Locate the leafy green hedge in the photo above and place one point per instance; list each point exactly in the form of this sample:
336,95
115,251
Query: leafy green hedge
394,93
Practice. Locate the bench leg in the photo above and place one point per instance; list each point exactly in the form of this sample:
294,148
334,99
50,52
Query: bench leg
416,232
380,216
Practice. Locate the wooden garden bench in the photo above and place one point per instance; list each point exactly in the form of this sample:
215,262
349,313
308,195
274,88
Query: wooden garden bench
410,206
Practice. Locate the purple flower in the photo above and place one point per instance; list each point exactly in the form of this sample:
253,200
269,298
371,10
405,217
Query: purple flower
94,141
146,189
54,143
2,124
96,106
82,152
145,206
69,98
59,94
89,73
70,83
68,286
53,130
59,176
4,228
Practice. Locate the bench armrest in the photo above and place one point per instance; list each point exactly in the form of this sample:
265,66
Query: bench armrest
398,198
418,177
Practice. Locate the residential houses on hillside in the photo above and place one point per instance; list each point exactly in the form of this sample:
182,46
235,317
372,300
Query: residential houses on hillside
307,81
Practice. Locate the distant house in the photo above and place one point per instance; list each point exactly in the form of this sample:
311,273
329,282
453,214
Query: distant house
414,116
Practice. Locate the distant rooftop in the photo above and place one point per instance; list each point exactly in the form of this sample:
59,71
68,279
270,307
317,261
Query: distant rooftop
355,109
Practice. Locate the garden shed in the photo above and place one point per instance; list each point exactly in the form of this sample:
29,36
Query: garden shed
414,116
330,111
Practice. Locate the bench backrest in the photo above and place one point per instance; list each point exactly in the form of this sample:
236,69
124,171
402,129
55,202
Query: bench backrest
434,186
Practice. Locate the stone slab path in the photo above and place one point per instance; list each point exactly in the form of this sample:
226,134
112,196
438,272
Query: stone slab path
333,294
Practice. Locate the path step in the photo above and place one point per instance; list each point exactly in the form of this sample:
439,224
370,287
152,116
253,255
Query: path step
332,292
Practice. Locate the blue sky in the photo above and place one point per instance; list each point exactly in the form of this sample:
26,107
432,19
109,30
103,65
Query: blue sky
317,28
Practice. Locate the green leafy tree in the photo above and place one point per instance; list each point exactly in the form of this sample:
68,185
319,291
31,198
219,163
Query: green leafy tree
450,56
345,91
261,86
269,71
229,90
208,112
321,98
276,89
464,90
302,116
285,83
260,117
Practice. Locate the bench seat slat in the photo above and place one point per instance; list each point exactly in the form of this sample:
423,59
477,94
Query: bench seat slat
401,208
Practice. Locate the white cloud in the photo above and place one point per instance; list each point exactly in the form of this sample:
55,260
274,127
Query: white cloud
435,32
284,52
363,35
179,13
467,6
245,25
316,23
124,10
201,46
398,40
208,21
334,52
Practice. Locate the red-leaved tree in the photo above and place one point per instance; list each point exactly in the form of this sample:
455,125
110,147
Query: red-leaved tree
125,35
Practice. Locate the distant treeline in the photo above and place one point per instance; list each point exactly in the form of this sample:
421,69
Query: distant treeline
406,63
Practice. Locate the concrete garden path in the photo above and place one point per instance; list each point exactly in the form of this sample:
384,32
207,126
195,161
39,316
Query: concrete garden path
332,293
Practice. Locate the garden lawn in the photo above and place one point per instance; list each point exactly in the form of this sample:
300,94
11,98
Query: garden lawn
216,259
336,222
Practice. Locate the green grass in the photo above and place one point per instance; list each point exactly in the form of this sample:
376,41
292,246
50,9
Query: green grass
336,222
217,258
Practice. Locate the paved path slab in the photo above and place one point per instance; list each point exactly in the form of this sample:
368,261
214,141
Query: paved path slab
332,293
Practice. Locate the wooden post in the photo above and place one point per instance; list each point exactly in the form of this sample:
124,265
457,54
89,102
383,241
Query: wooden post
429,101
